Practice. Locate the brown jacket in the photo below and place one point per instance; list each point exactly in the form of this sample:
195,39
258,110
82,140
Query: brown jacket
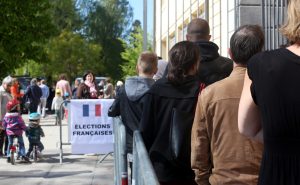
220,154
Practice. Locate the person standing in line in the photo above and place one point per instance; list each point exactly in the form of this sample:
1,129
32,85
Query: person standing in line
63,85
129,102
45,94
32,95
5,97
269,108
167,117
220,154
213,66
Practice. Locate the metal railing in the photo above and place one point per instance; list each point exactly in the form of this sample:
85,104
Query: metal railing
143,172
120,153
60,131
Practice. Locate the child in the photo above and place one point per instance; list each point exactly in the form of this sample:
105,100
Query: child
34,133
14,126
56,103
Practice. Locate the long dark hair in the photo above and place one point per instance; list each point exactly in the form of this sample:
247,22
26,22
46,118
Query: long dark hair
182,57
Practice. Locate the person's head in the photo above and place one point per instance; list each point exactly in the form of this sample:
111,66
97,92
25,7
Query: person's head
147,64
7,83
119,83
58,92
184,60
33,81
63,76
76,82
246,41
291,29
43,81
88,76
34,117
13,105
197,30
161,67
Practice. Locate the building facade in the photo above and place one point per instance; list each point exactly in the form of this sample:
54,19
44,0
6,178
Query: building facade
224,16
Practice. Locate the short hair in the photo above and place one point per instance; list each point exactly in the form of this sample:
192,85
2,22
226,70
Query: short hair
7,80
43,81
246,41
291,29
198,29
148,62
182,57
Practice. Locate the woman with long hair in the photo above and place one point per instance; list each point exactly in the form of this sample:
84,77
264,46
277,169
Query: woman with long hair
168,116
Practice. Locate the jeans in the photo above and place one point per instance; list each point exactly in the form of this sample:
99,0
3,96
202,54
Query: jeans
42,107
21,145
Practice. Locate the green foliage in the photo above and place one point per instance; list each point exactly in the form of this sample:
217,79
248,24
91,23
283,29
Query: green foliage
65,16
24,28
106,22
133,48
70,53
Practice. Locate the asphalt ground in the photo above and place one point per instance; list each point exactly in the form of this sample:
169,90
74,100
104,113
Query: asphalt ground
75,170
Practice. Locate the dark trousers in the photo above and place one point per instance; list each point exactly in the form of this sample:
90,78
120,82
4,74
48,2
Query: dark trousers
31,144
33,107
3,141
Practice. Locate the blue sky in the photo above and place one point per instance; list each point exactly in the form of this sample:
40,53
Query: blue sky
137,6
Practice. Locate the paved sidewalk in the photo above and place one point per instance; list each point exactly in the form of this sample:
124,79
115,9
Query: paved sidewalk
75,170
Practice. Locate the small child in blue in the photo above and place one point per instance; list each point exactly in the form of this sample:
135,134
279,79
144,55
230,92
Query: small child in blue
34,132
14,126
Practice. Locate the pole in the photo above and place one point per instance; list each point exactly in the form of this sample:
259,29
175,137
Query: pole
154,26
145,26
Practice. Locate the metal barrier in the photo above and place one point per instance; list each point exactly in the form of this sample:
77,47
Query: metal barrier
60,131
120,153
143,172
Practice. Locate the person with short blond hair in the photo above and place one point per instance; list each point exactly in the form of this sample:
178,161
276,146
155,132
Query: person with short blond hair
128,103
147,61
269,109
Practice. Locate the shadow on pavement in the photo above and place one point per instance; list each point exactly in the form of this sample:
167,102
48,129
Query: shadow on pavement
40,173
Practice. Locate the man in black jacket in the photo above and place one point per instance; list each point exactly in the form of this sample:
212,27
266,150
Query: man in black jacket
129,103
213,67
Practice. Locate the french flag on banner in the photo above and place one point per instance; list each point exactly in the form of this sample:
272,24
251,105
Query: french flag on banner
86,110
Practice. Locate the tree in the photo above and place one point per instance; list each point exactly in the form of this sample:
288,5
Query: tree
25,27
65,15
70,53
133,48
106,22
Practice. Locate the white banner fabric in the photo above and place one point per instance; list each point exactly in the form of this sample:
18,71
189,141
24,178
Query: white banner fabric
91,129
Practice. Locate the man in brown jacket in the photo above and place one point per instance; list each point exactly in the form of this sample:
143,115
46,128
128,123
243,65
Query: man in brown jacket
220,154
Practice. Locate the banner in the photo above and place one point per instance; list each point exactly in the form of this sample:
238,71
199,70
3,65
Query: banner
91,129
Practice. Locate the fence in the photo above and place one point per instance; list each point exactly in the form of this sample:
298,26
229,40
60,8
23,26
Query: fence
60,131
143,172
273,12
120,153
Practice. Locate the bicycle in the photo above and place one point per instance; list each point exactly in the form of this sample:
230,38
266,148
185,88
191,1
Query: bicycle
14,150
35,152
